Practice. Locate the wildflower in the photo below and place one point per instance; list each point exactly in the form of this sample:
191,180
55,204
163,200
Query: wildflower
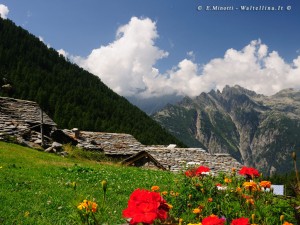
265,184
89,206
227,180
250,201
220,187
213,220
197,210
240,221
145,207
209,199
104,185
252,186
155,188
238,189
190,173
164,192
281,218
180,221
287,223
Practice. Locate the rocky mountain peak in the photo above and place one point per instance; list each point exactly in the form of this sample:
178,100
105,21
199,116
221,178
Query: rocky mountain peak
257,130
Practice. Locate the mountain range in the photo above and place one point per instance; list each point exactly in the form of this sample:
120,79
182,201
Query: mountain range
259,131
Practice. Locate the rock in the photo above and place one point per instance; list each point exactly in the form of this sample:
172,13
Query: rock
50,150
38,141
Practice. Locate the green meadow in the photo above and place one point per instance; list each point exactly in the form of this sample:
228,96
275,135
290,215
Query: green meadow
38,188
42,188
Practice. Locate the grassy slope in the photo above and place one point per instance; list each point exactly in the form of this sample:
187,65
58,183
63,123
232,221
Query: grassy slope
35,182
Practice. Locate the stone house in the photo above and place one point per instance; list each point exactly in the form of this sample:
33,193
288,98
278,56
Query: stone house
22,119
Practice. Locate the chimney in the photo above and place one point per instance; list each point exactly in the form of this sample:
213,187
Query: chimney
76,133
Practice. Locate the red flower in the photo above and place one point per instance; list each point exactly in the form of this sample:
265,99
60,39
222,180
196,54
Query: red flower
145,206
202,169
213,220
240,221
191,172
249,171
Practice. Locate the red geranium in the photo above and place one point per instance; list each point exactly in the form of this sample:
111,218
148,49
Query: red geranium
191,172
240,221
202,169
145,206
249,171
213,220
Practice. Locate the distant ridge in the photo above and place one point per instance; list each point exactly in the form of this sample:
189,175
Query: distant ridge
67,93
257,130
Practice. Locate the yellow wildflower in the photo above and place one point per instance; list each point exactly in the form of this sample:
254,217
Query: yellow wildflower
155,188
227,180
164,192
197,210
287,223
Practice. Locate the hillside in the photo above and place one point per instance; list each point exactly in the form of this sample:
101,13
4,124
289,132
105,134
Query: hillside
257,130
68,94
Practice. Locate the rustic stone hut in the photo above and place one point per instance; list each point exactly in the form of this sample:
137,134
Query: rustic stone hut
21,118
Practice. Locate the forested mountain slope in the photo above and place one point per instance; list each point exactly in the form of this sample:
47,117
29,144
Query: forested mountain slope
70,95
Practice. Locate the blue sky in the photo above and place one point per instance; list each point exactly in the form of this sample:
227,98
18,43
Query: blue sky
186,51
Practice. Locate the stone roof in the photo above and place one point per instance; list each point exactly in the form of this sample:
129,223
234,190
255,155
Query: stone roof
174,159
22,111
110,143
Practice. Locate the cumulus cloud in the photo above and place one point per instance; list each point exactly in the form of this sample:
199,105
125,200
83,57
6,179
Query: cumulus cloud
3,11
127,65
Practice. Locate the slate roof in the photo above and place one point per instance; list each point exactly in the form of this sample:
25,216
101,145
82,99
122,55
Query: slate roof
22,111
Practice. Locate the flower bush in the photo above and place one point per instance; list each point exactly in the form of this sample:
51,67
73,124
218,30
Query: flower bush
199,197
145,206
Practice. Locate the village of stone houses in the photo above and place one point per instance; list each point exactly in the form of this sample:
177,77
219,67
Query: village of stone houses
22,119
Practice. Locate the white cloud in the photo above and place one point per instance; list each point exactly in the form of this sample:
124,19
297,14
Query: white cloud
63,53
127,65
3,11
42,40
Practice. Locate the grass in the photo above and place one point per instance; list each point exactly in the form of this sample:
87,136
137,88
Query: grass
38,188
35,186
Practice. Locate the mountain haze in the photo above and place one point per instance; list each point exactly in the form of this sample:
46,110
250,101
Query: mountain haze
70,95
257,130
